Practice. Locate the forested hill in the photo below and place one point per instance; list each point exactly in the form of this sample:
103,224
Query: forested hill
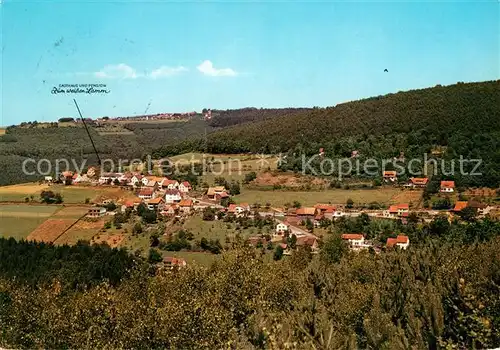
438,112
230,117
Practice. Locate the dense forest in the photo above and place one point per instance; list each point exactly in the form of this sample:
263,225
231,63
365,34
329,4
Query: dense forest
229,117
440,293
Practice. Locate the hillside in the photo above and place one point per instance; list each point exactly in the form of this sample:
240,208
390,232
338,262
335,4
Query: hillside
463,117
113,141
230,117
471,108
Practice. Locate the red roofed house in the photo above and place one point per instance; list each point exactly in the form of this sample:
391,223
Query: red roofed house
326,210
155,203
212,192
238,209
128,204
447,186
186,206
418,182
355,240
459,205
400,241
306,213
170,184
398,210
146,193
390,176
185,187
172,196
170,210
171,263
309,241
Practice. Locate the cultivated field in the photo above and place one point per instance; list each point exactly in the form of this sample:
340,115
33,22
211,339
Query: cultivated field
18,193
18,221
309,198
414,197
71,194
212,229
82,230
50,230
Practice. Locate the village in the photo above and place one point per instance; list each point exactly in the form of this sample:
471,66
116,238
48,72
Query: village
293,226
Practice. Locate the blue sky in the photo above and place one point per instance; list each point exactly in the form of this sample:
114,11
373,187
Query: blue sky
183,56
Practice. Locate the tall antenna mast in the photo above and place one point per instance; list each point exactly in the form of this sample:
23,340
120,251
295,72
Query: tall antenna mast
88,133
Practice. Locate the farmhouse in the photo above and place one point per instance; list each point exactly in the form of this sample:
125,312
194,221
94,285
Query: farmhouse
170,184
398,210
96,212
309,241
109,178
400,241
170,210
238,209
172,196
186,206
418,182
390,176
127,205
136,180
155,203
282,228
447,186
185,187
306,213
213,192
325,210
356,241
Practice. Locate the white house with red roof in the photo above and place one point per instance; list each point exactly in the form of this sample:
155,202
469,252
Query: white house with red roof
136,179
447,186
390,176
146,193
170,184
155,203
172,196
186,206
325,210
396,211
185,187
400,241
238,209
356,241
417,182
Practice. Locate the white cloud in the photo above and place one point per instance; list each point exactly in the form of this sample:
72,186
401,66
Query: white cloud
165,71
207,68
118,71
